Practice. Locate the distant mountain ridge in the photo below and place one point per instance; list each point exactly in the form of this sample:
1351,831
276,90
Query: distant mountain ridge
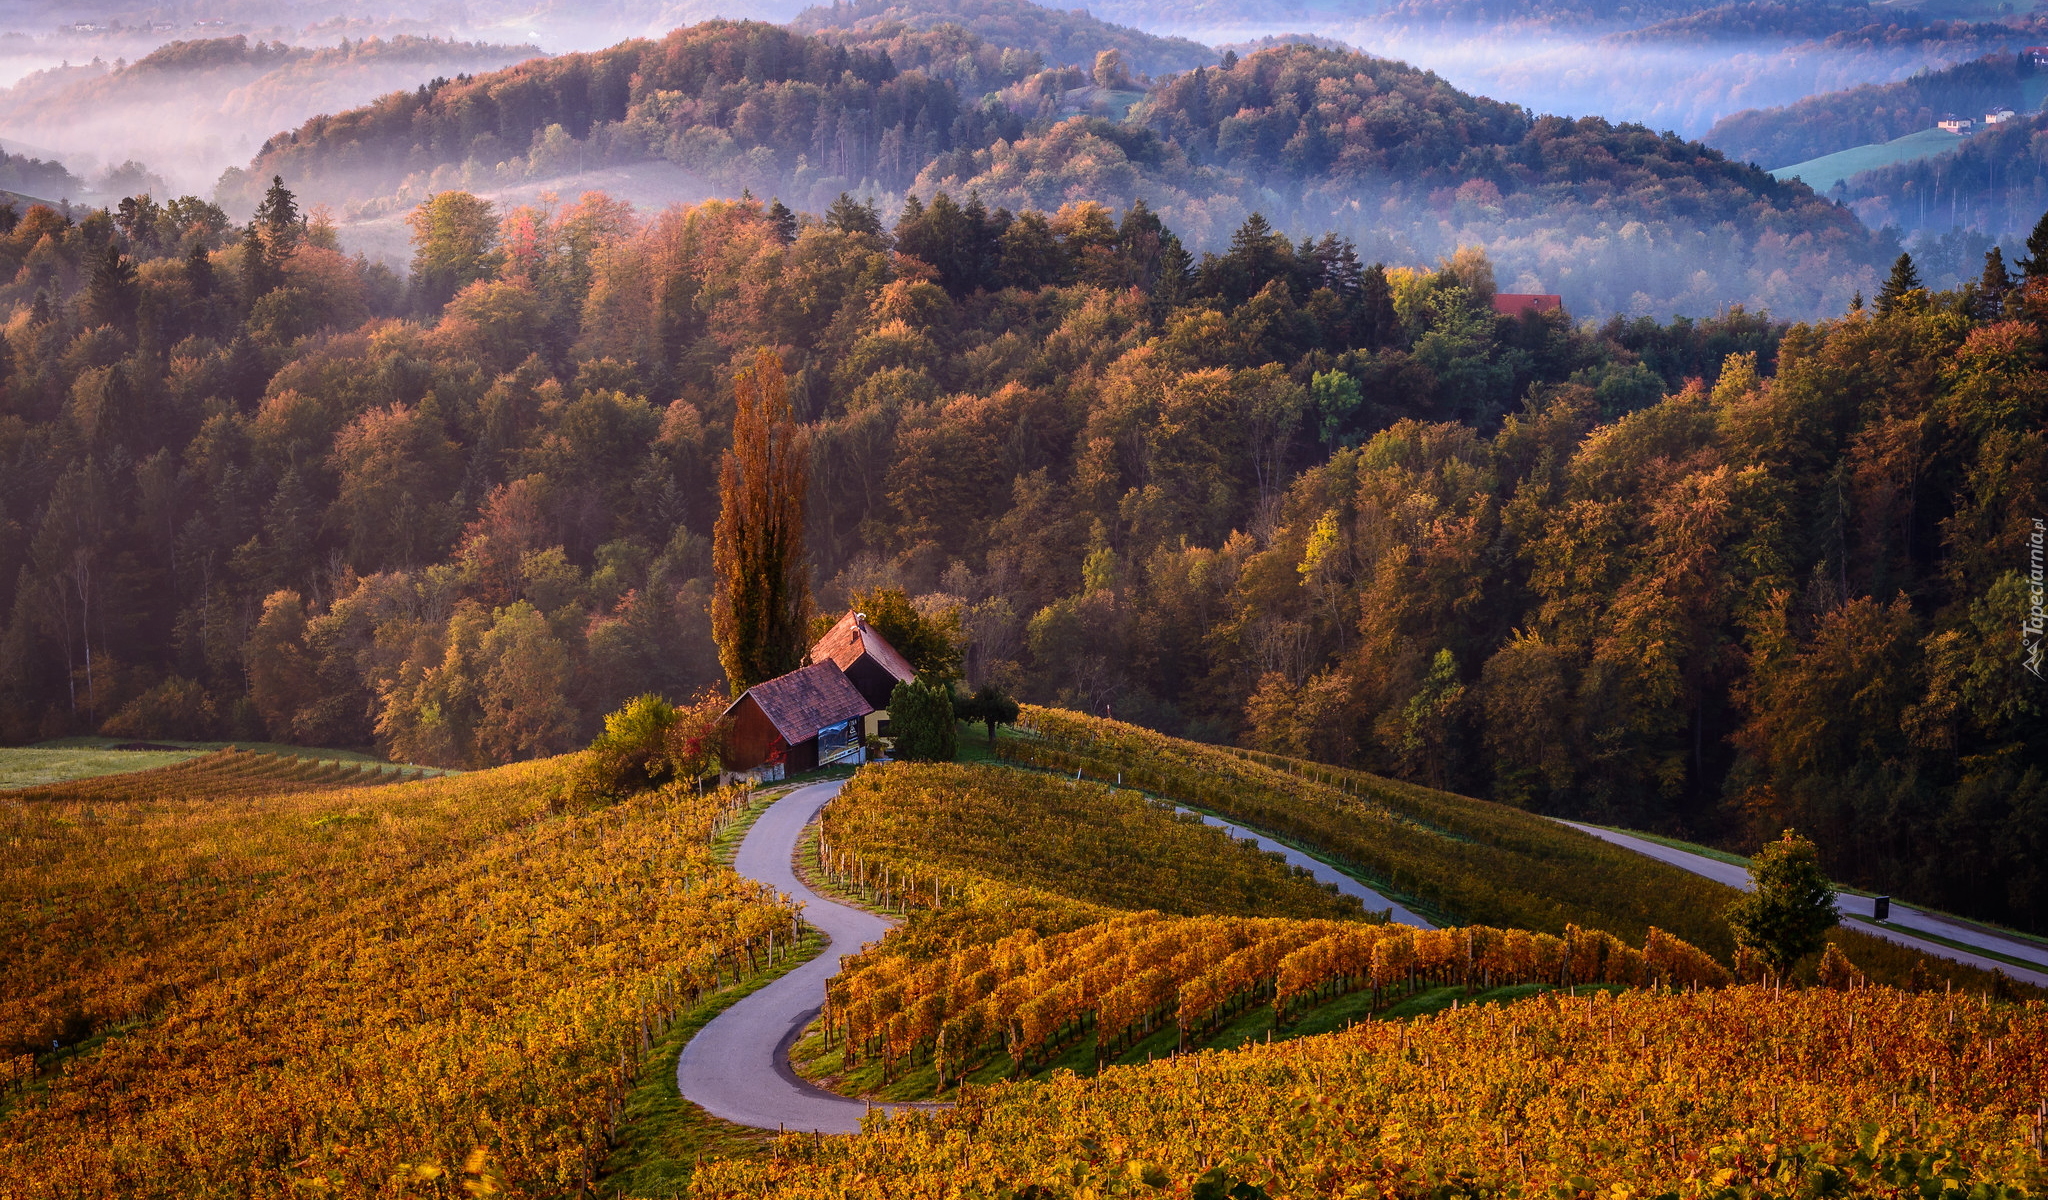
1315,138
226,94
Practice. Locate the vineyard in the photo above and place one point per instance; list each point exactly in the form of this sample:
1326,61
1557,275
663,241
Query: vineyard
1460,859
1725,1094
350,992
1086,841
219,776
1027,997
1048,914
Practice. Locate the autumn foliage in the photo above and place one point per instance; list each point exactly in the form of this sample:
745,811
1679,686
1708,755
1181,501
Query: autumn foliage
760,612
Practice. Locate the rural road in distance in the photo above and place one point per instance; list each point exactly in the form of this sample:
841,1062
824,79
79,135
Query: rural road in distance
737,1067
1904,923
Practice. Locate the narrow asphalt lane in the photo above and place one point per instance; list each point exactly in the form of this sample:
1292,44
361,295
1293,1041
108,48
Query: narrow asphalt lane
1399,913
737,1067
1856,912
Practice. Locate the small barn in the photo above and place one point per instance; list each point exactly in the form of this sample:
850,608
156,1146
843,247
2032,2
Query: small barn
800,721
870,663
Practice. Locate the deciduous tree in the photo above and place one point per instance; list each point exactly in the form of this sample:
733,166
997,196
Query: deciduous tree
1787,915
760,610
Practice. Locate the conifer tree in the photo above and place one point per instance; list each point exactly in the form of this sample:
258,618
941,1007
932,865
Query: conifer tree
783,220
112,293
923,722
852,216
1993,285
2036,262
1904,278
763,596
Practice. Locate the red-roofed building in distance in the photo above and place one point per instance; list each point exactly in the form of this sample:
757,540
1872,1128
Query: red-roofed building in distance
1514,304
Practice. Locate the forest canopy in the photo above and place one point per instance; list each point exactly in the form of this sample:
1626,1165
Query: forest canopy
1718,576
1615,217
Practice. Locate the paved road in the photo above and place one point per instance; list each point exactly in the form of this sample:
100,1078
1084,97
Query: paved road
1324,872
737,1067
1905,919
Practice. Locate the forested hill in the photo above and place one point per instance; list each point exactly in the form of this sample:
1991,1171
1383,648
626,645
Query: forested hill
1818,125
721,90
1058,38
1615,218
221,89
1992,181
1713,576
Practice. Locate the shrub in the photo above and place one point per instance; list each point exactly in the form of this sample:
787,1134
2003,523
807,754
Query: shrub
922,720
176,708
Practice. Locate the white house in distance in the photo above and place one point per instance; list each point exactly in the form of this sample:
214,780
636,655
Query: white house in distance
1960,126
2000,117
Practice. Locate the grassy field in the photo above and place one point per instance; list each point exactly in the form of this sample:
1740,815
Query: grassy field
1826,171
33,766
64,759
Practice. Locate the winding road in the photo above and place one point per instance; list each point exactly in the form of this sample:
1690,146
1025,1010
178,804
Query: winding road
1905,920
737,1067
1400,914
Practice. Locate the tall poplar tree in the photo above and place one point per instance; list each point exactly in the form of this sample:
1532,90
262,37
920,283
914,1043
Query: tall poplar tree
762,603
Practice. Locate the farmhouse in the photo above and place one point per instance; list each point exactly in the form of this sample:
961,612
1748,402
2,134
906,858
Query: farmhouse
1956,125
823,713
798,721
870,662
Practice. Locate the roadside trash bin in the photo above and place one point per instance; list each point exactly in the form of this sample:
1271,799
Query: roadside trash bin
1881,908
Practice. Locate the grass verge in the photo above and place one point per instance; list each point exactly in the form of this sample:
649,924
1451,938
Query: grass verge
662,1136
35,766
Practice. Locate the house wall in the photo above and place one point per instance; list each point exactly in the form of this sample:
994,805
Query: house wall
754,738
804,755
872,680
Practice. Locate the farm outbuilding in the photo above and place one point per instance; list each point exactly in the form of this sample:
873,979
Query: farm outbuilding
799,721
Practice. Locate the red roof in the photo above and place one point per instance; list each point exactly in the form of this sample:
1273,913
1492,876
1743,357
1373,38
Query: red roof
802,702
1514,304
853,637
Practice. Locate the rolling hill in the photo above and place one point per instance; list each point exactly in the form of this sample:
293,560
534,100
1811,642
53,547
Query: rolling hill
1313,138
1823,173
1880,113
228,93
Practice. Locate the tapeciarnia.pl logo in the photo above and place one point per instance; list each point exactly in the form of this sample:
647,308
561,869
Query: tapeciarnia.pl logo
2035,620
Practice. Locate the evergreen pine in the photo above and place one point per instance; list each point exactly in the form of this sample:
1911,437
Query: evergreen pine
260,275
922,722
852,216
783,220
1903,279
1993,286
199,271
1377,320
111,295
2036,261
